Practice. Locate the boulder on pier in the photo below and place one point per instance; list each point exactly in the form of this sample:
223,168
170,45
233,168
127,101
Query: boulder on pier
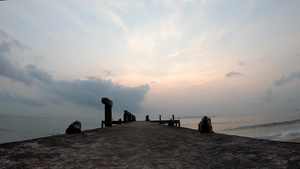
74,128
205,125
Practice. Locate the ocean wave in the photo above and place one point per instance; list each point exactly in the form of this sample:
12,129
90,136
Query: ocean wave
291,122
288,135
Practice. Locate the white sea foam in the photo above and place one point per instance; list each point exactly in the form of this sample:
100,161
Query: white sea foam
272,127
290,134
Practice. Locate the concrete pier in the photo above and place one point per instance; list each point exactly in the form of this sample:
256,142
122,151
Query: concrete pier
171,122
148,145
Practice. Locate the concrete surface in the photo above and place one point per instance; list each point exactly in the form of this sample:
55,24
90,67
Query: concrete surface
148,145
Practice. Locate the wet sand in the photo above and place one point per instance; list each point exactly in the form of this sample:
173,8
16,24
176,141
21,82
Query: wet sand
148,145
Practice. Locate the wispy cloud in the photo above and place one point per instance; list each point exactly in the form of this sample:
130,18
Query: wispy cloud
139,43
7,68
12,97
106,72
285,79
78,11
170,27
205,40
241,63
170,3
106,10
208,37
268,95
249,9
233,74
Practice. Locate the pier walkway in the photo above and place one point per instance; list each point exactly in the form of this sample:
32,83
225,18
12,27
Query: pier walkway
148,145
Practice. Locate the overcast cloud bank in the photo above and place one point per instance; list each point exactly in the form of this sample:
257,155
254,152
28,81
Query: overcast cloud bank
87,92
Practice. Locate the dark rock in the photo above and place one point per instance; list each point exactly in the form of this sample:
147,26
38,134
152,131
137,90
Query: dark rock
147,118
171,122
74,128
205,125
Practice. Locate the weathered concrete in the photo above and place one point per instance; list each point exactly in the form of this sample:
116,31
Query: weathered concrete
108,112
148,145
128,117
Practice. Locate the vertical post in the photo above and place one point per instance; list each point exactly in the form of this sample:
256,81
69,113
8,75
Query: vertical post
108,113
108,116
159,118
125,116
173,117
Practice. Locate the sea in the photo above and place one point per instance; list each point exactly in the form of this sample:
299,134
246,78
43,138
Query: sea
280,127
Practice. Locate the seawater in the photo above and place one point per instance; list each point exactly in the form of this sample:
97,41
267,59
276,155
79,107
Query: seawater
280,127
284,126
17,128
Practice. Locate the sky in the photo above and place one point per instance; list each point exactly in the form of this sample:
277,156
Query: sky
150,57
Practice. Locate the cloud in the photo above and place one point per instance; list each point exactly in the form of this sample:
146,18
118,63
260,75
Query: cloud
7,68
268,96
173,4
233,74
106,72
142,43
8,97
106,10
90,91
3,34
8,43
284,79
4,47
241,63
87,92
39,75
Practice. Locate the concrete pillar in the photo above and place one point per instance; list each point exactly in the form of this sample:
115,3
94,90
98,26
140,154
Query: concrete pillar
128,117
108,112
124,117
